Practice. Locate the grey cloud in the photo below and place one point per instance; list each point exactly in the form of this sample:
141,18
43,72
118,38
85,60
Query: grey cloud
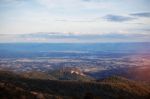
142,14
118,18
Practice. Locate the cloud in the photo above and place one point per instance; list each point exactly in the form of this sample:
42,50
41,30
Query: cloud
75,38
142,14
6,4
11,1
118,18
78,20
61,20
95,0
91,0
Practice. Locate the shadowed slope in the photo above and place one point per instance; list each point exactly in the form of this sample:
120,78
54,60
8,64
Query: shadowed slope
111,88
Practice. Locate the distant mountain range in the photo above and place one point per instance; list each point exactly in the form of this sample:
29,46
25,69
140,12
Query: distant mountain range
77,47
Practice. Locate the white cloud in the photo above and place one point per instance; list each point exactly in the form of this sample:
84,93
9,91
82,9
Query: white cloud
76,16
75,38
74,4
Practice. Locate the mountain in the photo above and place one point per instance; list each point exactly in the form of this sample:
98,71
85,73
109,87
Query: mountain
13,86
69,73
66,73
141,47
37,75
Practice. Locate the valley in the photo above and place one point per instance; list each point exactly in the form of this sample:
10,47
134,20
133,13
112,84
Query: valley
96,65
74,71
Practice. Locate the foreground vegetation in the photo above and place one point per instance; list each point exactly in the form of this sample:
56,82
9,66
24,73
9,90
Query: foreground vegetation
14,86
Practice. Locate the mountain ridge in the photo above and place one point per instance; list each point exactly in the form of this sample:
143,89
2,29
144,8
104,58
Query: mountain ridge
111,88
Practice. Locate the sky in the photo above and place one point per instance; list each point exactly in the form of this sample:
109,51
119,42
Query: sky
74,21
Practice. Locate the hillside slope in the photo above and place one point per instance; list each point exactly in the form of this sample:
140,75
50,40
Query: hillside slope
12,85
